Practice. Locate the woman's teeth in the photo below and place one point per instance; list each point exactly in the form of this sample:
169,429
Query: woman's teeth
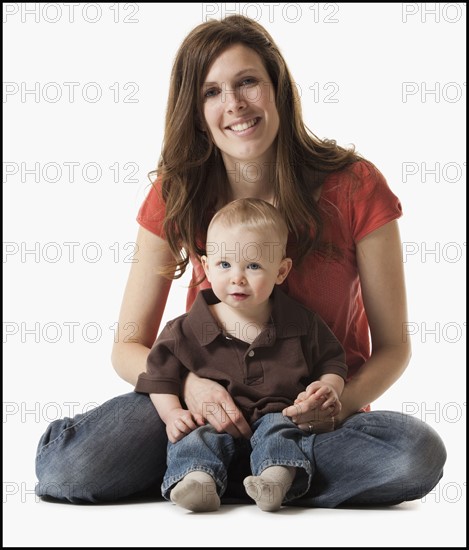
244,125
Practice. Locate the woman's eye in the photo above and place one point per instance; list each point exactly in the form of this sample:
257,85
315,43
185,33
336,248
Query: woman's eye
249,81
212,92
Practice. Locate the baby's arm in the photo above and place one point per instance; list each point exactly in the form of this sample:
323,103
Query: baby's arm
179,422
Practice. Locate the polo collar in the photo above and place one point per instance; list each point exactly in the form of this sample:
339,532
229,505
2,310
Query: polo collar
200,319
289,319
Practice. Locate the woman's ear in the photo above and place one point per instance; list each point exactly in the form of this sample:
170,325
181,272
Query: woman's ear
284,270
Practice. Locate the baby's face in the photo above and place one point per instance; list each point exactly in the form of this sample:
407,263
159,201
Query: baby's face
243,266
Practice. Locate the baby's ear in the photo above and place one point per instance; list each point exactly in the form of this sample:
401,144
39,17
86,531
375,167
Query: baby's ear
204,262
284,270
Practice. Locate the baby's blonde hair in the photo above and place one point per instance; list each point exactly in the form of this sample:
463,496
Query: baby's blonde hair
255,215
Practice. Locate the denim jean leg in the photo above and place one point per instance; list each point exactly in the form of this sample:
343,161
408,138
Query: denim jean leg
204,450
375,458
112,452
277,441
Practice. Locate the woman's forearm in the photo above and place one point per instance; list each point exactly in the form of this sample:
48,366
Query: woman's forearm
129,360
377,375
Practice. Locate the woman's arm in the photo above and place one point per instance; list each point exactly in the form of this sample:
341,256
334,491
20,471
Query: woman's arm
380,266
142,306
379,258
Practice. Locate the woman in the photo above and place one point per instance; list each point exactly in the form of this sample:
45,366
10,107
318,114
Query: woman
234,129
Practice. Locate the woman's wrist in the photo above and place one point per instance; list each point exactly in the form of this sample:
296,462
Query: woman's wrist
346,411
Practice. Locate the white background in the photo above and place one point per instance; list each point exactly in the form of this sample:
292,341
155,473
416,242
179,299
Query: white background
367,56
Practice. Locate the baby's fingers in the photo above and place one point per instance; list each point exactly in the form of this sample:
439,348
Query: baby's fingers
199,419
301,397
331,401
185,424
313,388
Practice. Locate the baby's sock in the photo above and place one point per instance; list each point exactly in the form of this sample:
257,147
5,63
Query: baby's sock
197,492
269,489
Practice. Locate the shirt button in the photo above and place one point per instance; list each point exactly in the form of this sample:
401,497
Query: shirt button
251,353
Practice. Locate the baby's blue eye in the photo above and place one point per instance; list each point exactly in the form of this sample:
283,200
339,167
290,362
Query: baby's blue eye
225,265
254,266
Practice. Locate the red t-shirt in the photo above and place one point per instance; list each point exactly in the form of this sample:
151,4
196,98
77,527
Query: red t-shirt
354,206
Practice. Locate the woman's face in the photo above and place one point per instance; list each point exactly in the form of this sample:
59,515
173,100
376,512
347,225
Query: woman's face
239,106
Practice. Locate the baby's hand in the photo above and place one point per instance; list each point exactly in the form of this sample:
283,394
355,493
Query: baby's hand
322,396
180,422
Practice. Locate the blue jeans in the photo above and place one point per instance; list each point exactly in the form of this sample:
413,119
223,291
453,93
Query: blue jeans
276,441
118,450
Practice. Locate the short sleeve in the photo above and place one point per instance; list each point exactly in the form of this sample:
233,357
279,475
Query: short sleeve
371,202
152,212
164,370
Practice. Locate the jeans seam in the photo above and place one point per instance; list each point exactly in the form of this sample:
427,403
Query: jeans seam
59,437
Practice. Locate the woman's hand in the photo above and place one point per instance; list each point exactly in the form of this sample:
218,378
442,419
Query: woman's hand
315,409
311,420
210,400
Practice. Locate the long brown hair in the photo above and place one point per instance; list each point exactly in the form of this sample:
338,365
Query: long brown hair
193,175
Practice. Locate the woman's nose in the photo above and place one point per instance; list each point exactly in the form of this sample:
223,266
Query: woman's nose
235,101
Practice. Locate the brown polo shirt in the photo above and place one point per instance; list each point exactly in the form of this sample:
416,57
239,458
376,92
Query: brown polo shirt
294,349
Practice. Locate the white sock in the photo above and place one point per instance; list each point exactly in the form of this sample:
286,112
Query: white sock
197,492
269,489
